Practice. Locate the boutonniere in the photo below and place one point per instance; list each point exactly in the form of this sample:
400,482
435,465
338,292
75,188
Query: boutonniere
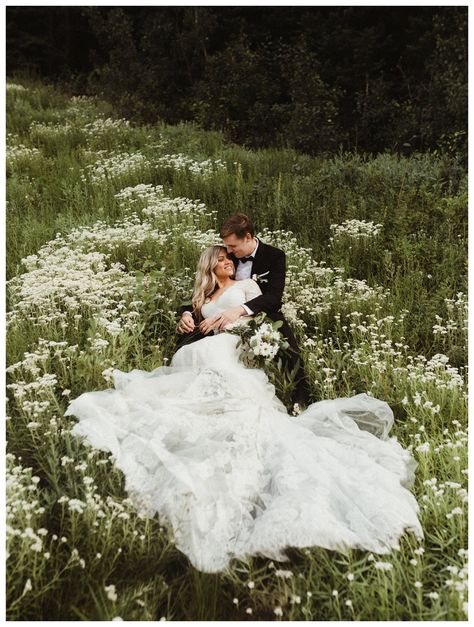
258,277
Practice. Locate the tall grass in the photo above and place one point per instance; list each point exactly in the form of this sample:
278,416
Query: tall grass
384,313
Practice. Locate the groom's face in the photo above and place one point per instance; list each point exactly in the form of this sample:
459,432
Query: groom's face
240,247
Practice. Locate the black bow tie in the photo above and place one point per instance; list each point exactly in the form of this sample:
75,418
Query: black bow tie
245,259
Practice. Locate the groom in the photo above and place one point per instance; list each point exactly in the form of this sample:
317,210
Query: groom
265,264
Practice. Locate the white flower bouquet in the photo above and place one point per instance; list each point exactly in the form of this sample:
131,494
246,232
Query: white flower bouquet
260,341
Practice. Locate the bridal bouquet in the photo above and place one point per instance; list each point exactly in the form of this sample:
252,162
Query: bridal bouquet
260,340
263,346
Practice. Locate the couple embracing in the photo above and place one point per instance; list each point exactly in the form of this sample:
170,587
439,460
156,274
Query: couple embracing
255,272
207,446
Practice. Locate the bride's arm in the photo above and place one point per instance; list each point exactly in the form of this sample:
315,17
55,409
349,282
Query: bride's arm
252,289
239,314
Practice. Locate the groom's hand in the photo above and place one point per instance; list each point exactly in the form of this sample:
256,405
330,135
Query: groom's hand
230,315
209,324
186,323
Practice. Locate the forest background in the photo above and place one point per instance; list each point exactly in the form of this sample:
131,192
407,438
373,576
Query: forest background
367,78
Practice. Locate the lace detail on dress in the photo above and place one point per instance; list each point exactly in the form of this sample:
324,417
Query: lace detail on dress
235,295
206,445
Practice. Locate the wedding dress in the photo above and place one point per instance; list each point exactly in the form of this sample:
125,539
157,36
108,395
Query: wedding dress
207,445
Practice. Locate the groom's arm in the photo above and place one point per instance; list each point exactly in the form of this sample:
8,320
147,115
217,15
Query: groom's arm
272,299
187,322
183,308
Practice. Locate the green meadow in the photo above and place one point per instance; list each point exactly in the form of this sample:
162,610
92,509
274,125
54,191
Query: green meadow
105,222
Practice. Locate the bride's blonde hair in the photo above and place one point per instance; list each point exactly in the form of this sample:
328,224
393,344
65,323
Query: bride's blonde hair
206,281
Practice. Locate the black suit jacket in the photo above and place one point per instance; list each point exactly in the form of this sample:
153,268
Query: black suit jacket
270,267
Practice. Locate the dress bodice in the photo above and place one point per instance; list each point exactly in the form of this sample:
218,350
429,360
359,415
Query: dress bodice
239,293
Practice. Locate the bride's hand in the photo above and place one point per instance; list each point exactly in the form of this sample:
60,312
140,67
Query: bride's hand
230,316
209,324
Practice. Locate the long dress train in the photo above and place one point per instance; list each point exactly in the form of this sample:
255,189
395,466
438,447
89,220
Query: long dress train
207,445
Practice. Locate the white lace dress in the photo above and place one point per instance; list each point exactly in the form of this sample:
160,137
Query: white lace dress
240,292
206,444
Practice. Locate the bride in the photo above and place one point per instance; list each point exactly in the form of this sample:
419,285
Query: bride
207,445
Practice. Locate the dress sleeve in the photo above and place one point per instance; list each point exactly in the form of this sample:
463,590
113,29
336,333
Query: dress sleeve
252,290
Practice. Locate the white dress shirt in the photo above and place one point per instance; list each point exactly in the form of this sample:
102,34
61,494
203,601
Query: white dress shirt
244,271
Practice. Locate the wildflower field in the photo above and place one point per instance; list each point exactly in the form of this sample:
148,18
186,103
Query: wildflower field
105,222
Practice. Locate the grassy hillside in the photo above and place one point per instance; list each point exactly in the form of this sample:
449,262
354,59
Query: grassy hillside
105,222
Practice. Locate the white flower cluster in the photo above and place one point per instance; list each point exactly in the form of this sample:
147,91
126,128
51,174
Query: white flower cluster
94,505
141,194
457,581
383,566
130,231
457,316
436,371
179,206
15,87
364,341
33,362
81,107
83,101
21,152
114,166
183,163
102,126
23,509
154,203
265,342
39,130
355,229
111,592
63,282
72,278
312,289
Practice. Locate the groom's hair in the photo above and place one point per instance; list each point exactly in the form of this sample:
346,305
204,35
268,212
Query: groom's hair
239,224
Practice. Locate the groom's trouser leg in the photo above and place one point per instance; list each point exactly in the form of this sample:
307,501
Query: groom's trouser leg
188,338
301,394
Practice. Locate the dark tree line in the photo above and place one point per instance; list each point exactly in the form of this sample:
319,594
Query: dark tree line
313,78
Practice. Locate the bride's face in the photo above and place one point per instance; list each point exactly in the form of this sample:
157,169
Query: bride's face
224,267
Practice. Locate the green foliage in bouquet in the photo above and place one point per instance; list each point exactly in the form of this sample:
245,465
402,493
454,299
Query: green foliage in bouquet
263,346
